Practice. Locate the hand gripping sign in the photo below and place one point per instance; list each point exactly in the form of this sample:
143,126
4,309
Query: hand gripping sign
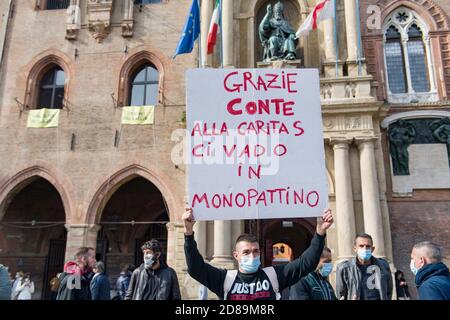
255,144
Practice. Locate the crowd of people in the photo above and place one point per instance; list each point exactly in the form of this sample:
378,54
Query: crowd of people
19,288
362,277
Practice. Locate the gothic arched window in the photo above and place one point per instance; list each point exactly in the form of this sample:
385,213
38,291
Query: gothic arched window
144,86
394,61
407,51
51,89
417,60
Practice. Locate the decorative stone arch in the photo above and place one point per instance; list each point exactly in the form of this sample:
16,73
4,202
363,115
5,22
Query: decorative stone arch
12,186
37,68
414,115
131,65
416,19
433,15
109,186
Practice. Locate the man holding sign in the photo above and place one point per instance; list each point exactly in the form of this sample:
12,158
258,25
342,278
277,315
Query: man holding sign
251,281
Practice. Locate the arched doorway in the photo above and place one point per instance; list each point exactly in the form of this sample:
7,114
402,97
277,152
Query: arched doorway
136,212
33,233
294,233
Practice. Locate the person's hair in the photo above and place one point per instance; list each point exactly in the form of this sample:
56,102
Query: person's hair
399,273
26,276
99,266
431,250
364,236
325,250
153,245
127,268
246,238
83,252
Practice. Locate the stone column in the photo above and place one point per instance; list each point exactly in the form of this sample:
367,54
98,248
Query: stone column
200,236
406,58
237,228
73,24
345,216
206,13
127,20
228,32
373,222
222,244
80,235
430,63
350,27
175,248
330,48
352,38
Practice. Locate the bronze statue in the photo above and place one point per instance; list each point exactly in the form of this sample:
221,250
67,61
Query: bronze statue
276,35
442,133
400,137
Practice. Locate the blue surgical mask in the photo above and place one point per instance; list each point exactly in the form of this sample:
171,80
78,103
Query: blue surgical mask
413,268
364,254
326,269
249,264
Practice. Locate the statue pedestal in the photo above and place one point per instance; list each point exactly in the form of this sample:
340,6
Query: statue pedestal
279,64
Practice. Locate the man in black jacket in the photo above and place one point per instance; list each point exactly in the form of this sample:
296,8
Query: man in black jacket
315,286
77,275
251,282
154,279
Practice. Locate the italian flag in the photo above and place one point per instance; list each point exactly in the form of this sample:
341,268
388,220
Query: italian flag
214,27
322,11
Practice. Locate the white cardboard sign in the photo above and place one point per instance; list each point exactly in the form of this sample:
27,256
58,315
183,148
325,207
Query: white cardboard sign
255,144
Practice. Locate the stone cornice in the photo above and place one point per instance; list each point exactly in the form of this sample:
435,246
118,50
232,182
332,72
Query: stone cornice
371,107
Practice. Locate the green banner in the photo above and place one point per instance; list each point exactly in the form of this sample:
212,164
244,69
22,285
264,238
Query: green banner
138,115
43,118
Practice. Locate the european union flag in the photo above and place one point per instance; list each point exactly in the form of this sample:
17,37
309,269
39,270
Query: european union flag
190,32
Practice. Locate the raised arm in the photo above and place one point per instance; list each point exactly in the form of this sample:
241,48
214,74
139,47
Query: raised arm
211,277
292,272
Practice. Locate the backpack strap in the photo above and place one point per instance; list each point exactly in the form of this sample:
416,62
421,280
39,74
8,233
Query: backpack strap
229,279
273,278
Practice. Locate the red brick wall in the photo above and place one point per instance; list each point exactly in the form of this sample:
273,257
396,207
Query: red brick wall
424,217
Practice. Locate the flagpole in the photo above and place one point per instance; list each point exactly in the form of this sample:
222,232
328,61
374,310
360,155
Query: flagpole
358,30
200,59
335,39
221,34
